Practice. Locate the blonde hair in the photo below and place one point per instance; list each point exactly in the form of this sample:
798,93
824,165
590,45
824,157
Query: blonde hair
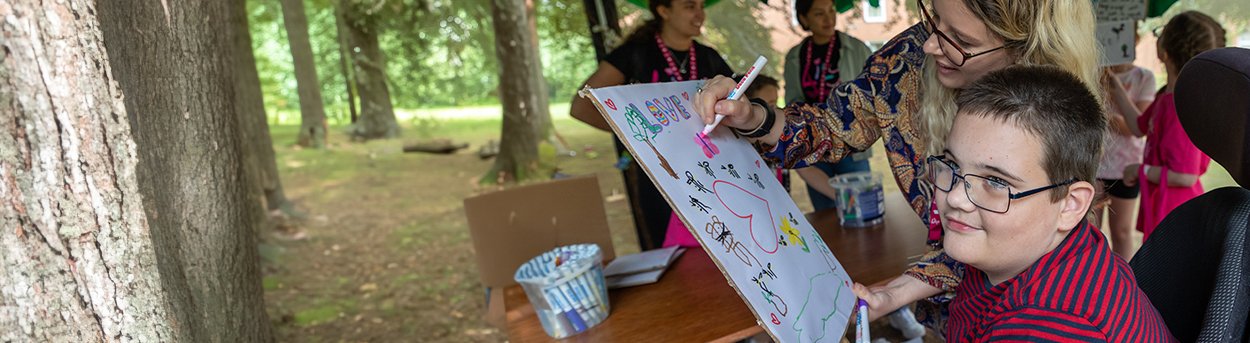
1036,32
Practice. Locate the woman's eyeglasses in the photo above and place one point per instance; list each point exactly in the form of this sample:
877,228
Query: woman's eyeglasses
957,57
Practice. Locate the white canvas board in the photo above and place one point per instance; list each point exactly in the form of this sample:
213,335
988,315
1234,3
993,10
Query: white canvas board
749,225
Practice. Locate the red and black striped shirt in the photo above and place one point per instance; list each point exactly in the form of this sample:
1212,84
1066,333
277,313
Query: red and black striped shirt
1079,292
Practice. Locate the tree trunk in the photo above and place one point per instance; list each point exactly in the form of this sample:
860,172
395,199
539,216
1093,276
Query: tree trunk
377,117
526,118
77,263
174,59
254,124
312,127
349,78
538,85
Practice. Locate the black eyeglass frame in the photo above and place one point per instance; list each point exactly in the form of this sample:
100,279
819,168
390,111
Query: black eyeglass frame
957,177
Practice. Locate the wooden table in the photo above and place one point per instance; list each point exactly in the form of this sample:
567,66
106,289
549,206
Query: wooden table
692,302
878,253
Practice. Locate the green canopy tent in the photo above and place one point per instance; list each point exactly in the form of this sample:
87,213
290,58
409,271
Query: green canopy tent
1155,8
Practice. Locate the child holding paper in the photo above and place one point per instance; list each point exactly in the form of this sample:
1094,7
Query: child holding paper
1014,187
663,49
1171,166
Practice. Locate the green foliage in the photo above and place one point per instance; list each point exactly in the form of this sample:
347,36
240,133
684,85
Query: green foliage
439,52
273,55
734,28
1233,15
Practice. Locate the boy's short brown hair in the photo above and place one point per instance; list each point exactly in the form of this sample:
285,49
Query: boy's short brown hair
1053,105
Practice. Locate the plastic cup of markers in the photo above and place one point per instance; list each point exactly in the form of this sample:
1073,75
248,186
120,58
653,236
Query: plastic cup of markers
566,288
859,198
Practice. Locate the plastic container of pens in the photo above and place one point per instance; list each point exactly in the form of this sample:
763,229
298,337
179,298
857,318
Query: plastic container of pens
860,199
567,288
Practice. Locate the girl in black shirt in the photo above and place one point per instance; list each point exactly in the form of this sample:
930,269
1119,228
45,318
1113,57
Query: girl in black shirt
662,50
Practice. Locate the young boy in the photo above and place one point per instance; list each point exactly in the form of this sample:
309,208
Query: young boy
1014,188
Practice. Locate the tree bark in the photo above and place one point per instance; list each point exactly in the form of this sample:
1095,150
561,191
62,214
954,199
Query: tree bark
526,118
253,123
538,85
174,58
349,78
377,117
312,131
77,262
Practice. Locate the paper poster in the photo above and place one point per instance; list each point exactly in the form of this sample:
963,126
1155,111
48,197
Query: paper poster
1116,39
1118,10
737,209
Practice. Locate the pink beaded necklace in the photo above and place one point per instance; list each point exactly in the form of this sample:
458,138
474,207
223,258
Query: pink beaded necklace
807,65
668,57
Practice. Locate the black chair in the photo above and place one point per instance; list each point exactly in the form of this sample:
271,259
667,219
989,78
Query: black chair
1195,268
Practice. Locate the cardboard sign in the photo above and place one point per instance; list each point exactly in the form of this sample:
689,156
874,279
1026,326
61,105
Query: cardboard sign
509,227
1116,39
736,208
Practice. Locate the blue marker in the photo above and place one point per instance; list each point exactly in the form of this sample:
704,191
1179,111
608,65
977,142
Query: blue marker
589,299
575,320
576,302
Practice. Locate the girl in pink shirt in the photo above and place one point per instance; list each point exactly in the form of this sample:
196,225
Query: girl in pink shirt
1171,164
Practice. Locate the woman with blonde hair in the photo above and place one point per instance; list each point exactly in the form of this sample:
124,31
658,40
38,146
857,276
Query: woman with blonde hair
905,96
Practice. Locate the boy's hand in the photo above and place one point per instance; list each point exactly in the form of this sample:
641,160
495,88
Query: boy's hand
1130,175
878,299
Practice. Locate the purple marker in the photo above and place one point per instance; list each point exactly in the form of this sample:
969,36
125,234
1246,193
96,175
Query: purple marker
861,322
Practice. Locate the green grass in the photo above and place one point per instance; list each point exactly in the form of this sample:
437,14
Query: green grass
291,117
271,282
324,312
474,124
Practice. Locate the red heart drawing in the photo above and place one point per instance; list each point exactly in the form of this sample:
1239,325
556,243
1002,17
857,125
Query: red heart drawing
611,104
685,95
757,163
775,320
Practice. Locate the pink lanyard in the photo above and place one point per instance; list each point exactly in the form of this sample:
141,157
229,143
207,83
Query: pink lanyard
935,223
820,93
668,57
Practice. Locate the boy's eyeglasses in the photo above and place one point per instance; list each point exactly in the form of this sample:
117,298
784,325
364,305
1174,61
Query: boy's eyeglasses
988,193
957,57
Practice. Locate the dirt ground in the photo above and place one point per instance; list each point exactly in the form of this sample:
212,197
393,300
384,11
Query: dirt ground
386,254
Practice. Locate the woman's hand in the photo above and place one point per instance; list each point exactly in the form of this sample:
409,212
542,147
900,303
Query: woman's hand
712,99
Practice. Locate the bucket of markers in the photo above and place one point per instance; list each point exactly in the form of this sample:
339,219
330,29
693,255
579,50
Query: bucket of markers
567,288
859,198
